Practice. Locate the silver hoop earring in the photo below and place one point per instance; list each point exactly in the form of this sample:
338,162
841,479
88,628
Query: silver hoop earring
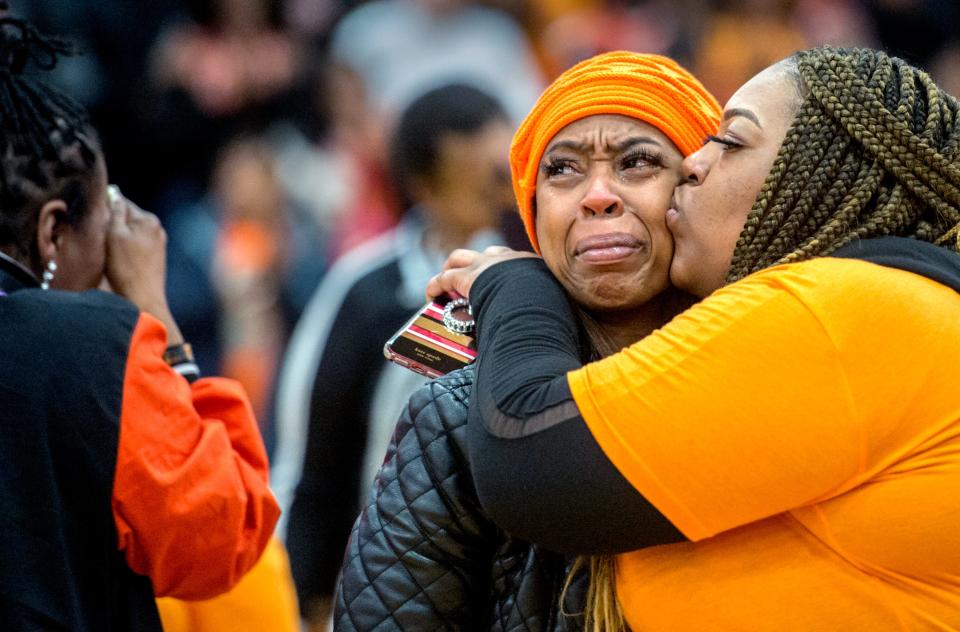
48,275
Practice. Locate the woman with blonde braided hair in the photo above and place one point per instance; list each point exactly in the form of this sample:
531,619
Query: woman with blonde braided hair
800,425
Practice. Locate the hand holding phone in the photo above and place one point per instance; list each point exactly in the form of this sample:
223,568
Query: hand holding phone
437,340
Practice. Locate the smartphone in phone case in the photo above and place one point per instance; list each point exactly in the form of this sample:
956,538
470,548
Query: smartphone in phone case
429,347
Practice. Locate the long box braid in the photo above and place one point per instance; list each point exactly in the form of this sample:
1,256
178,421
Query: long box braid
872,151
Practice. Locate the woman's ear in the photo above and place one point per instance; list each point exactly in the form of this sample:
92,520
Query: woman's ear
49,229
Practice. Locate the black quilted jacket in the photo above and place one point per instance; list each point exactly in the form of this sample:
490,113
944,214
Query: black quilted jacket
422,554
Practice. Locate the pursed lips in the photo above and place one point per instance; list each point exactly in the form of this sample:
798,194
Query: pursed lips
673,213
607,248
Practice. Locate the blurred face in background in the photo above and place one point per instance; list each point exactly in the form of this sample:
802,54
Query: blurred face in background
603,187
470,186
246,184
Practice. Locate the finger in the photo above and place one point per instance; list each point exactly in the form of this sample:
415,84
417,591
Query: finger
114,197
118,217
443,284
454,282
433,288
147,220
117,202
144,222
460,258
496,250
137,214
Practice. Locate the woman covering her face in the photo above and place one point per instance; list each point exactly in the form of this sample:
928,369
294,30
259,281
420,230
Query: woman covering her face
799,426
599,156
124,475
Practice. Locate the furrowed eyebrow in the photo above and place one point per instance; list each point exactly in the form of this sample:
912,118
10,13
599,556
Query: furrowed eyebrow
568,144
620,147
627,143
747,114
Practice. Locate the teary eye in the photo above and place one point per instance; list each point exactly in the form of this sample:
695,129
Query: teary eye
641,158
557,167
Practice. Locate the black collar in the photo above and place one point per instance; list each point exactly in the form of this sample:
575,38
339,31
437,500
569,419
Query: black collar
14,276
934,262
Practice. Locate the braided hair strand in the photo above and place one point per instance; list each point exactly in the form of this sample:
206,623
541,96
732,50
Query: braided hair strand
872,151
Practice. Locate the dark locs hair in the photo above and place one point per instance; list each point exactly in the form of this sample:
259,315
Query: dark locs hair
48,149
873,150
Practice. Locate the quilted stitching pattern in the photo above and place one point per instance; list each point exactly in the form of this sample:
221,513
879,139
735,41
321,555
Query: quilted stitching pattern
422,554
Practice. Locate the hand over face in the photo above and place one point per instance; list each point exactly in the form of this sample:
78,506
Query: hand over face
136,254
464,266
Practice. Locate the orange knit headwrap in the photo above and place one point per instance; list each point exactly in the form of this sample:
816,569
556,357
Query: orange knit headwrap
650,88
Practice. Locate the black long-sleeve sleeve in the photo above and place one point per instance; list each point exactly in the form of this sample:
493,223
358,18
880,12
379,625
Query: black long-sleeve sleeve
539,472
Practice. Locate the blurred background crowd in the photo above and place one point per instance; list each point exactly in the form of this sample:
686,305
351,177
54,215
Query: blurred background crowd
259,130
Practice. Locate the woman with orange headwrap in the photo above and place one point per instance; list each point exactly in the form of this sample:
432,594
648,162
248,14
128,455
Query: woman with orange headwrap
799,424
594,166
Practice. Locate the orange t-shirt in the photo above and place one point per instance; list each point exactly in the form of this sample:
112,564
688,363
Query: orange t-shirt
802,429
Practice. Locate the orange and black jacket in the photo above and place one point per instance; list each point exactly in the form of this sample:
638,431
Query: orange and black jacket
119,480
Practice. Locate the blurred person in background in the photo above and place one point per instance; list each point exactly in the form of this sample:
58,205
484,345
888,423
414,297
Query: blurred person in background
835,22
247,261
742,37
249,247
108,78
945,67
267,261
123,473
222,71
232,55
338,398
655,26
385,53
224,67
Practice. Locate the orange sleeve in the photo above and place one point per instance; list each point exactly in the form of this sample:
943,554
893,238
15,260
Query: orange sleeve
190,499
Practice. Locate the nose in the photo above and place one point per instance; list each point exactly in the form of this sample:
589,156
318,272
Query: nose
695,167
601,197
